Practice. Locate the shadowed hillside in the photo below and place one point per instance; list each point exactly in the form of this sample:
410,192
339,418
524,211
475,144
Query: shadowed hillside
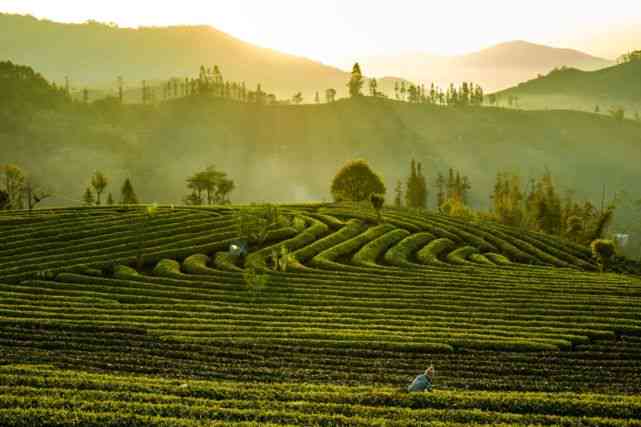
96,54
289,153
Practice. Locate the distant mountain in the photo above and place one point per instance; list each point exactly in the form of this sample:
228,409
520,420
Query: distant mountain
494,68
572,89
94,55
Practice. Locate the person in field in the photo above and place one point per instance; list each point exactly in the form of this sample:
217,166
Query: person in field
422,382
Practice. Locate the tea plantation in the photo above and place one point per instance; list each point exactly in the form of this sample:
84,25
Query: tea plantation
521,327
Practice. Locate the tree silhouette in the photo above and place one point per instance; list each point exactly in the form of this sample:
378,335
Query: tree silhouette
355,182
355,84
330,95
127,194
88,197
99,182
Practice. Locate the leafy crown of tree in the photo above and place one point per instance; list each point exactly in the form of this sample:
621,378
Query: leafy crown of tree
355,181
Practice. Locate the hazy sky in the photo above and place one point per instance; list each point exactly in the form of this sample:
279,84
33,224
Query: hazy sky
333,30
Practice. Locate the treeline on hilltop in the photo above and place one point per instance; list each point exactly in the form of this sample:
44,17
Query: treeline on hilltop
23,86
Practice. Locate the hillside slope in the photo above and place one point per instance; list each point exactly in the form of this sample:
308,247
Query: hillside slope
268,150
95,55
330,341
582,90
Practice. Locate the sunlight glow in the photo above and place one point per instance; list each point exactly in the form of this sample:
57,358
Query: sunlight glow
334,30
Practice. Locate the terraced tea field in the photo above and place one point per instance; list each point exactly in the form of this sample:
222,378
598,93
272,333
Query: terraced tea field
520,326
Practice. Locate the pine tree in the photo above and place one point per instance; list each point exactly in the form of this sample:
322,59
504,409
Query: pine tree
450,185
411,193
421,188
458,187
120,89
355,83
440,190
398,201
128,196
465,188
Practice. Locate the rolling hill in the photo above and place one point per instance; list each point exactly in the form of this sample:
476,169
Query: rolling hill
516,323
94,55
494,68
582,90
269,150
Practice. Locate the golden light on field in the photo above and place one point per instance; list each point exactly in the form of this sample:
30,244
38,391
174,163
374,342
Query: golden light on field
332,30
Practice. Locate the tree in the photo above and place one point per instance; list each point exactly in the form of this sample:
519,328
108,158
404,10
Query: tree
412,187
99,182
355,83
629,57
617,113
127,193
120,89
440,188
35,194
413,95
110,200
451,190
14,181
4,200
297,98
398,200
355,181
225,187
330,95
507,199
421,188
88,197
19,189
317,98
213,183
575,227
601,224
603,250
373,87
377,201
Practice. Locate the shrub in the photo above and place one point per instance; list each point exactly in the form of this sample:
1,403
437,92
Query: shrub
167,268
603,250
124,272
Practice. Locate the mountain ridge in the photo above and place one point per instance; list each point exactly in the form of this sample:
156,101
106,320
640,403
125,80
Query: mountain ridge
496,67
